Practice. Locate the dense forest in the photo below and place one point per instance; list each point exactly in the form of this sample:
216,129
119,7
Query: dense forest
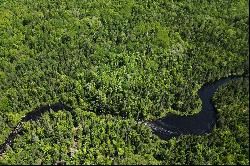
117,63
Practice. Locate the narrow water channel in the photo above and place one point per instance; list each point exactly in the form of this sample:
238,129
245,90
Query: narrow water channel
34,115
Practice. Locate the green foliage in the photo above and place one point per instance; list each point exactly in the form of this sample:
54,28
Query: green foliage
133,59
97,140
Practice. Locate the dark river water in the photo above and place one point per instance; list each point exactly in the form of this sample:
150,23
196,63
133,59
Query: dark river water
165,128
198,124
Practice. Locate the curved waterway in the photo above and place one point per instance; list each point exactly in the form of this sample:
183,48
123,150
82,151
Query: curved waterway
165,128
198,124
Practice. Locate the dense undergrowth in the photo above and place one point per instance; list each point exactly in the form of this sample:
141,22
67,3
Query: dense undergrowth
133,59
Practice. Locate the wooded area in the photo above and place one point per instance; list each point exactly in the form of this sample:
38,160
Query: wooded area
117,62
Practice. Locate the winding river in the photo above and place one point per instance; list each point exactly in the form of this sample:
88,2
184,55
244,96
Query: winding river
165,128
198,124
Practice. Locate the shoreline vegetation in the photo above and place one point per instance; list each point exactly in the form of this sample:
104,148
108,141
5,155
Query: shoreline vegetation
180,126
226,125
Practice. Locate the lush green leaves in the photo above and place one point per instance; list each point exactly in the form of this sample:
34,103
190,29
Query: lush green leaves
134,59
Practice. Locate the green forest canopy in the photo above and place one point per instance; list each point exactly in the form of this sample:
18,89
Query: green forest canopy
126,58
